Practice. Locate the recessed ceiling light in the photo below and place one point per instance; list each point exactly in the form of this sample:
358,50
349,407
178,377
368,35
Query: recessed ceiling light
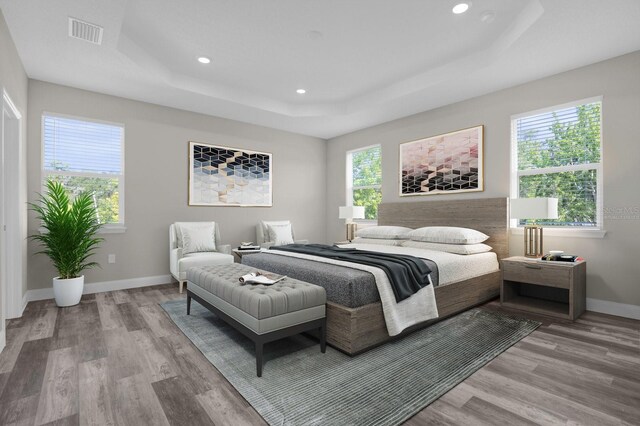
460,8
204,60
301,91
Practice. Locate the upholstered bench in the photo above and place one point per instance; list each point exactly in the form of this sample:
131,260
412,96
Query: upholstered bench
262,313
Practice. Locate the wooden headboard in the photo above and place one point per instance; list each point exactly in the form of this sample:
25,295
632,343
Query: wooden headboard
488,215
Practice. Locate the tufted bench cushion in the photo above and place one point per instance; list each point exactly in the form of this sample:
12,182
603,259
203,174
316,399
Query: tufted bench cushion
259,301
262,313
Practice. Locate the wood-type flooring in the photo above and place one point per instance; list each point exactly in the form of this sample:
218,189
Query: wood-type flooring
117,359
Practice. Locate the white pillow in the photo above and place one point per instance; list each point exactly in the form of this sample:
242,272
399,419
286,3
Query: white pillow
379,241
280,234
384,232
449,248
447,235
196,236
266,223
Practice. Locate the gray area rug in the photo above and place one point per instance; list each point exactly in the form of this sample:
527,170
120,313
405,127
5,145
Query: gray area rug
384,386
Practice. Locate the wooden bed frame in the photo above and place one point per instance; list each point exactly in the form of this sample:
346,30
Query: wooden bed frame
355,330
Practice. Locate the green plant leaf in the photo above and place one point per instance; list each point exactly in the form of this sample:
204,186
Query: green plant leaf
70,227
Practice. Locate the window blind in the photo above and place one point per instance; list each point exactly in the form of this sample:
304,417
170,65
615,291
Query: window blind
367,170
82,146
558,155
563,137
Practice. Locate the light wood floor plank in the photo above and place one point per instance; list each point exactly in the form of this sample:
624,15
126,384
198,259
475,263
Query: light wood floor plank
15,338
136,403
134,365
109,313
156,319
228,408
121,296
123,358
131,316
95,401
493,414
522,393
28,372
179,410
21,411
153,355
44,324
91,344
524,409
59,394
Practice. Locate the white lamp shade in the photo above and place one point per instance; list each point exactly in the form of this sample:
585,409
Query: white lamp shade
534,208
351,212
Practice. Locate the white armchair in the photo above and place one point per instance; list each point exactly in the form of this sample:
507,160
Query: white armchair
194,244
283,227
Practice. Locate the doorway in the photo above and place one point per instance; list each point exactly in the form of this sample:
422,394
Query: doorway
11,215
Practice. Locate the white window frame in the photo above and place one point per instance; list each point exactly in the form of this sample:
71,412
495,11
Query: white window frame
597,231
351,187
107,228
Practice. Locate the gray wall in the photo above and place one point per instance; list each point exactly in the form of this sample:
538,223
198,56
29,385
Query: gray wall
13,80
156,174
613,267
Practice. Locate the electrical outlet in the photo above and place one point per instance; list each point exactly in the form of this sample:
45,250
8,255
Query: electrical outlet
112,258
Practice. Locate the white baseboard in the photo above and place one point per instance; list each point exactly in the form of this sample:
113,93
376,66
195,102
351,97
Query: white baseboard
99,287
613,308
3,338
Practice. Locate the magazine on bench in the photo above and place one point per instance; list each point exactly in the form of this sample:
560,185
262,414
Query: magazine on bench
257,277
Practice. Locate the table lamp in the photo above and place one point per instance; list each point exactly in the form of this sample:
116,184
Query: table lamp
533,208
349,213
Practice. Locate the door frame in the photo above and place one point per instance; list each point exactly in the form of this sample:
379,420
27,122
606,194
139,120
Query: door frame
13,230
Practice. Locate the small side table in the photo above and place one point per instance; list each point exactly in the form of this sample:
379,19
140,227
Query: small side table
241,253
556,289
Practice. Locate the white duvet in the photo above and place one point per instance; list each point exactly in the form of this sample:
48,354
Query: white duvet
451,267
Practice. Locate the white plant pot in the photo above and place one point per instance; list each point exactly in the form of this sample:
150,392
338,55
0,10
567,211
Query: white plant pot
68,292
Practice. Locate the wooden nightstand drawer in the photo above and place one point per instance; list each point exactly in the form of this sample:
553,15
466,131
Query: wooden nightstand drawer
534,273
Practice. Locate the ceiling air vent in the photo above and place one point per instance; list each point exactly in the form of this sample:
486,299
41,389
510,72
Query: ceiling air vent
85,31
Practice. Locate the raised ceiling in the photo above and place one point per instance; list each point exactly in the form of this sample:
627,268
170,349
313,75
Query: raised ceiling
362,62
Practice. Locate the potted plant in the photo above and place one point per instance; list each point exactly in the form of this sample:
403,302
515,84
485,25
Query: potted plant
69,239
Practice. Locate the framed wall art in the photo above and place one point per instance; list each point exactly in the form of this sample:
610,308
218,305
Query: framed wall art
443,164
223,176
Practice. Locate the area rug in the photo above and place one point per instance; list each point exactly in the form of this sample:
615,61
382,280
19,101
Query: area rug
384,386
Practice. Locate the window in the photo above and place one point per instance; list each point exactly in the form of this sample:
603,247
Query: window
364,179
86,156
557,153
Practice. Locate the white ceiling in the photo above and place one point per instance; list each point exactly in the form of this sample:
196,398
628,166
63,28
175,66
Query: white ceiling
373,61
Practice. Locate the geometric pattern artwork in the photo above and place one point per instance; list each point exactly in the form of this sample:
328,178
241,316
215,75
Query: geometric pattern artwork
443,164
223,176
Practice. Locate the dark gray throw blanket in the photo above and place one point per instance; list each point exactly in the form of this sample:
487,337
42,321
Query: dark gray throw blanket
407,274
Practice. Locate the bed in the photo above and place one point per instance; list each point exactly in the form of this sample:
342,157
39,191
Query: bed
355,321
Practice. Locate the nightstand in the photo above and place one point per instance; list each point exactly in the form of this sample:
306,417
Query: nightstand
241,253
550,288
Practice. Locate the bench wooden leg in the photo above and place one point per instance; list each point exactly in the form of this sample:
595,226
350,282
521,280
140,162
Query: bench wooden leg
323,336
188,303
259,346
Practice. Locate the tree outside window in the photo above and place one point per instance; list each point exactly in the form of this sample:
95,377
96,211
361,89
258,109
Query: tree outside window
558,154
364,179
86,156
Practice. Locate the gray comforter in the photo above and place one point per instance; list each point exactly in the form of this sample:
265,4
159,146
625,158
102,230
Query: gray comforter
346,286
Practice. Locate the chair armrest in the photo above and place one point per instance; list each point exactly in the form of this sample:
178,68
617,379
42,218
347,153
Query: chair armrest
174,255
224,248
301,241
